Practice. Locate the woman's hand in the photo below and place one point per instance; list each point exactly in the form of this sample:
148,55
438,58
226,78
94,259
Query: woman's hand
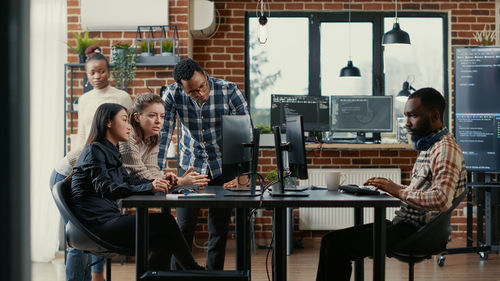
193,178
172,179
384,184
161,185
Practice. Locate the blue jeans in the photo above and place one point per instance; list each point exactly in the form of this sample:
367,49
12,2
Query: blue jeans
77,262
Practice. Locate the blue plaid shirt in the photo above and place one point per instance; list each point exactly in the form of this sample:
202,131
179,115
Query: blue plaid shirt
200,144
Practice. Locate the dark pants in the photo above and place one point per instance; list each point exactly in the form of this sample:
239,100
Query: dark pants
165,239
218,228
340,247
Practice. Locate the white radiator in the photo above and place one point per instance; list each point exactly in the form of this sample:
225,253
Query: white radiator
336,218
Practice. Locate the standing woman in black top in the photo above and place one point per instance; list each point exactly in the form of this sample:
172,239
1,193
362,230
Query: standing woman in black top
99,179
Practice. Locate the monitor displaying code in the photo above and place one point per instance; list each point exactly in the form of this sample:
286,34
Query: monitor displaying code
477,110
315,111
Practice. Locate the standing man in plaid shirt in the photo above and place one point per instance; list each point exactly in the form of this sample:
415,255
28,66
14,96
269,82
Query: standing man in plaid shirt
198,101
438,177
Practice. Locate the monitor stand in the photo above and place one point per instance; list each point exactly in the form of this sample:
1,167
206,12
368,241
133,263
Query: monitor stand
282,192
279,148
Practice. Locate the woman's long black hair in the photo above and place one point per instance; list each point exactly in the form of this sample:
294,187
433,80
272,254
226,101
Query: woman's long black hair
104,114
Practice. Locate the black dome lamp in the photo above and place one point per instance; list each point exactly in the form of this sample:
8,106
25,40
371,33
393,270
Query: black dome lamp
396,35
405,92
350,70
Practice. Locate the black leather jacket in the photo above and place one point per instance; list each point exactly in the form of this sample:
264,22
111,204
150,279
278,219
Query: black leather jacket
99,179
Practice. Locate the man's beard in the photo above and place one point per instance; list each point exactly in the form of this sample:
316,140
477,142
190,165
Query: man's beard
423,131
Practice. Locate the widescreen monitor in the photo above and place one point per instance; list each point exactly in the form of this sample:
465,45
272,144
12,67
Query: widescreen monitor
361,114
314,109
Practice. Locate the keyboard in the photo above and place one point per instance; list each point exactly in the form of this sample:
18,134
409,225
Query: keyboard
363,190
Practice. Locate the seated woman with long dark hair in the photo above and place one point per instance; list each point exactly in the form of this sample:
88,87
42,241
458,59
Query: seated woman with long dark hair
99,179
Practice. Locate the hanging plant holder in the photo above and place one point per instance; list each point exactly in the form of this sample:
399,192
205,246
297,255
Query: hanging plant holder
162,38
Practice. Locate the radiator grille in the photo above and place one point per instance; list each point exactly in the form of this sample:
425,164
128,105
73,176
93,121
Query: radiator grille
336,218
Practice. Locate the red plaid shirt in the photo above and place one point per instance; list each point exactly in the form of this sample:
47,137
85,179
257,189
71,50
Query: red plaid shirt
438,177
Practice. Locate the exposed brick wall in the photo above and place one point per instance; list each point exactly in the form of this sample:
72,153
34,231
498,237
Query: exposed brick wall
223,57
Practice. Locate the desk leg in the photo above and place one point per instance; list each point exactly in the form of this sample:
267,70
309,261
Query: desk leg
141,243
279,253
487,217
359,265
379,233
242,240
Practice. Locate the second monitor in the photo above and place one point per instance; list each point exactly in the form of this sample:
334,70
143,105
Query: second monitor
314,109
362,114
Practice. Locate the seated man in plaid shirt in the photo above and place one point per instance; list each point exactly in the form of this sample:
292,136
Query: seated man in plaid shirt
198,102
438,177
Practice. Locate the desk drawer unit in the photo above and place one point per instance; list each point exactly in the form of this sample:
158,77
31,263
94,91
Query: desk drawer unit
336,218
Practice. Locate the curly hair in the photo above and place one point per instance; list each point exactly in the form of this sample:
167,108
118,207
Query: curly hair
185,69
95,53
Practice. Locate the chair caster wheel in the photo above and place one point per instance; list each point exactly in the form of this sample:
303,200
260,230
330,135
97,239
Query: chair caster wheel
441,260
483,255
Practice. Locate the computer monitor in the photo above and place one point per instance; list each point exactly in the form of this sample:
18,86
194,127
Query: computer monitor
361,114
240,148
477,114
295,146
297,162
314,109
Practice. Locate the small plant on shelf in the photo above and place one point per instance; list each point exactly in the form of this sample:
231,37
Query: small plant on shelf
82,43
123,58
167,47
485,37
146,48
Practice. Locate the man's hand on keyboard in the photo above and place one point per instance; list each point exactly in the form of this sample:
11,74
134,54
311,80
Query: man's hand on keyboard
385,184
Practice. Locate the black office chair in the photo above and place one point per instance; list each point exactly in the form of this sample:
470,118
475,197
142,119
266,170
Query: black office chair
429,240
80,237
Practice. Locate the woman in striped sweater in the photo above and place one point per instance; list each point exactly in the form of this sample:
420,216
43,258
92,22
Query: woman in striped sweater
140,153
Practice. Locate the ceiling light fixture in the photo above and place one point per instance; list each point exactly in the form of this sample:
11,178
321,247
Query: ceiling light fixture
350,70
396,35
262,32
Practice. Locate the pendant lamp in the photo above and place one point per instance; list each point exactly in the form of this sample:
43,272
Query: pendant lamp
263,32
396,35
350,70
405,92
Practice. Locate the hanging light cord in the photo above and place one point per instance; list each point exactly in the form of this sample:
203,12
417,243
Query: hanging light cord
349,26
260,11
396,9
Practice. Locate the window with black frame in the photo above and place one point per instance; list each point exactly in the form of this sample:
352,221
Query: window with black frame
305,52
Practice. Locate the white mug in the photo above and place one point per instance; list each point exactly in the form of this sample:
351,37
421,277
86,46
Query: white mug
334,179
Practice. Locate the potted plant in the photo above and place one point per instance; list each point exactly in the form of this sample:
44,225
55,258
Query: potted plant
146,48
167,48
272,175
82,43
123,58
